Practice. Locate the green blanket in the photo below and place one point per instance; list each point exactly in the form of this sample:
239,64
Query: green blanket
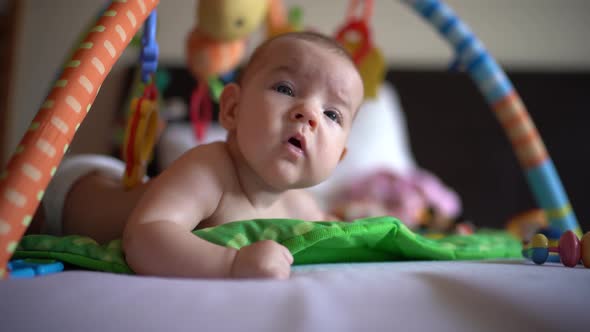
365,240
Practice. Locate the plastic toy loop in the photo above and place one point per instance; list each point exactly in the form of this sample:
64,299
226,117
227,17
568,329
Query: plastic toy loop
365,39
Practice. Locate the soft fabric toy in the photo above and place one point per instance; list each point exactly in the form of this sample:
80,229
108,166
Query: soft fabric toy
365,240
443,203
217,44
382,193
418,199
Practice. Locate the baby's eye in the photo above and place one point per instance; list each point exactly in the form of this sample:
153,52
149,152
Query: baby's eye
284,89
334,116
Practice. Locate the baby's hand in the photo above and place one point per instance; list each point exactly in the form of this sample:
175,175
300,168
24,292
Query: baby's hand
262,259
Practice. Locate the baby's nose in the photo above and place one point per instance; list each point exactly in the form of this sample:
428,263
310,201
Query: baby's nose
304,115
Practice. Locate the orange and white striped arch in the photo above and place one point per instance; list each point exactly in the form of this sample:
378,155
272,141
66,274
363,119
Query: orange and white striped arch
42,147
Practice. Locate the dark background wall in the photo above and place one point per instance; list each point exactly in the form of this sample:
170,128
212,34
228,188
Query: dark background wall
455,134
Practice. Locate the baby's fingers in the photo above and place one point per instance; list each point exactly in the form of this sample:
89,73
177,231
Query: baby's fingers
287,254
281,266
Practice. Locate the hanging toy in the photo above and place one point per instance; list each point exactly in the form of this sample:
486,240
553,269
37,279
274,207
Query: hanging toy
143,122
355,36
217,44
280,21
140,136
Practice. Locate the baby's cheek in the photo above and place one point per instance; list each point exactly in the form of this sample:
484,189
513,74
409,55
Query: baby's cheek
328,163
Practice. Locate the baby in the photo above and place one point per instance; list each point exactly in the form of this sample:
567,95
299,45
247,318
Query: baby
288,119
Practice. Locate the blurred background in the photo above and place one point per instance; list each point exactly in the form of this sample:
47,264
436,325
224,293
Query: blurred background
542,44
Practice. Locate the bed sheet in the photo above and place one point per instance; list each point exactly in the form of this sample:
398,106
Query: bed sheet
408,296
394,296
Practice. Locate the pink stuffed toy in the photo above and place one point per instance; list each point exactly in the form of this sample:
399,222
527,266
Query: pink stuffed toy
417,199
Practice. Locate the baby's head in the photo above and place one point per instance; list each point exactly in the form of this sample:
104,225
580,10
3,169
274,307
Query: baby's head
291,112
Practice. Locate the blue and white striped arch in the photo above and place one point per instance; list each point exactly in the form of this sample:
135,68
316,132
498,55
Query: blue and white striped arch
499,93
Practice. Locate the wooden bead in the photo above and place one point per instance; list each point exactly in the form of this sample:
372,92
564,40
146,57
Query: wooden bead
569,249
539,241
538,249
585,249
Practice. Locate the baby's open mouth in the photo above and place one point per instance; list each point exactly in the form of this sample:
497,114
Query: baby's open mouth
295,142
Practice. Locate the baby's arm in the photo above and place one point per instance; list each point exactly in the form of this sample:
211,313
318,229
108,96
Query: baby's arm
158,238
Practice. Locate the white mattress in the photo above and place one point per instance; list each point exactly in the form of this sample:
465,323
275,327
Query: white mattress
402,296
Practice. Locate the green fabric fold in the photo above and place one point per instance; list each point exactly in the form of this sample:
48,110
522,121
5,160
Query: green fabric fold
364,240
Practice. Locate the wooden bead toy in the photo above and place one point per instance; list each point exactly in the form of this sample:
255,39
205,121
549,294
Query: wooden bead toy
569,249
585,249
538,249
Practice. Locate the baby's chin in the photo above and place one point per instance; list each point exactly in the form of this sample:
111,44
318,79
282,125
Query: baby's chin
280,178
284,184
286,177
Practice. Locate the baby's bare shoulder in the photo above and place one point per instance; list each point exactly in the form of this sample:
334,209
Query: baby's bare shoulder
190,190
215,152
208,165
213,156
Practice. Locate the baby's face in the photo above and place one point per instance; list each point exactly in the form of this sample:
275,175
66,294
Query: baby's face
295,111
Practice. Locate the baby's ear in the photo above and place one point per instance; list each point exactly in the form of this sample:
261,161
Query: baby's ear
343,154
228,106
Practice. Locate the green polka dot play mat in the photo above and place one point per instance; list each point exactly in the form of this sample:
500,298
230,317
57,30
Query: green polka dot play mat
365,240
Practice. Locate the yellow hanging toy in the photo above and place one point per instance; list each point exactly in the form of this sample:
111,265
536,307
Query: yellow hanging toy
140,136
217,44
143,121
